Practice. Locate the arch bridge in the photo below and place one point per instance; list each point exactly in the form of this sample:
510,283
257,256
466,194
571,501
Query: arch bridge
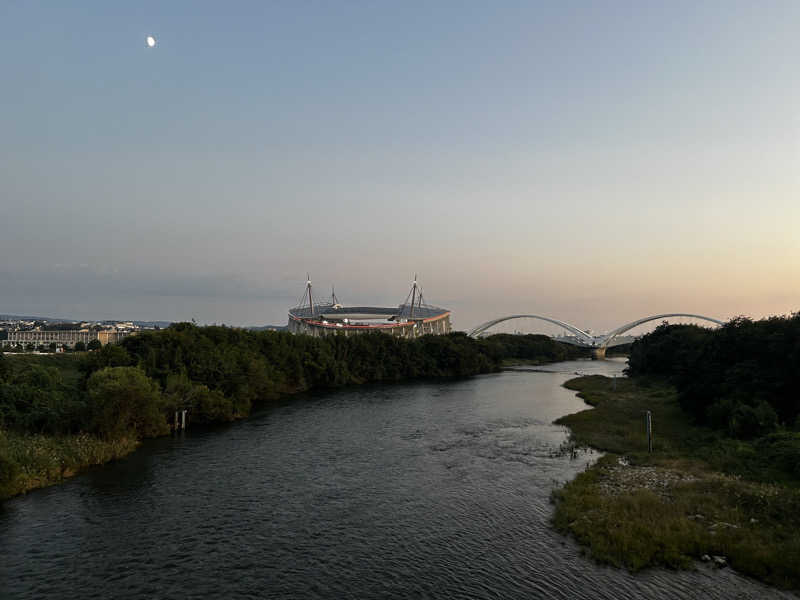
584,339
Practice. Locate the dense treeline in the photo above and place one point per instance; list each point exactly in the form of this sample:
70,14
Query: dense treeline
538,348
129,391
743,377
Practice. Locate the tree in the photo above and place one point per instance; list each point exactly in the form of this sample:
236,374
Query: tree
94,345
123,401
80,346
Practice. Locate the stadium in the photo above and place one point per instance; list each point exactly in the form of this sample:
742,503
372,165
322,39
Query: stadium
410,319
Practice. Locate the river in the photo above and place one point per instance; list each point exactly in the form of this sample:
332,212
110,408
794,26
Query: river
423,490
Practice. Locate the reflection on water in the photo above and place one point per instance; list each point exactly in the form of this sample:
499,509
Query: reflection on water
610,367
422,490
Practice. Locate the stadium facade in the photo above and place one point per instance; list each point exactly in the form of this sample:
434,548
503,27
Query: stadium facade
410,319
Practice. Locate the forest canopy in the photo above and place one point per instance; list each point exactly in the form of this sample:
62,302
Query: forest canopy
218,374
743,377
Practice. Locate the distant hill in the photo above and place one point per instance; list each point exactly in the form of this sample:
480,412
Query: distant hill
32,318
145,324
161,324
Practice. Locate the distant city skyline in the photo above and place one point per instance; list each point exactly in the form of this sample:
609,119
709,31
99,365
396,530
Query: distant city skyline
594,162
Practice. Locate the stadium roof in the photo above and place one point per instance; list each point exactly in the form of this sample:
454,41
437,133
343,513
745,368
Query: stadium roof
337,312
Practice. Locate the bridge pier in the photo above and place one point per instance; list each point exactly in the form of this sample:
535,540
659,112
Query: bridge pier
599,353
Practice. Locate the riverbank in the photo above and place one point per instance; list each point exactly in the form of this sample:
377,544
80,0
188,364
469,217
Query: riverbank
31,461
697,496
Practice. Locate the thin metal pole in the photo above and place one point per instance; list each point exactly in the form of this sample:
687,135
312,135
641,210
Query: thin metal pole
310,297
413,296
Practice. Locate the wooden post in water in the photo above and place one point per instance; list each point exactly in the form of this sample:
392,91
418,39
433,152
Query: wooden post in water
649,423
183,420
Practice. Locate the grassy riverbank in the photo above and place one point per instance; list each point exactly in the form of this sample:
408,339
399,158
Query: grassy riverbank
30,461
699,492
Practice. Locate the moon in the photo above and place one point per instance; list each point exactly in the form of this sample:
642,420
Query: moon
150,41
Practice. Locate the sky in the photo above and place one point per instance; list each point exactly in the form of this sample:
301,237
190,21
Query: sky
595,162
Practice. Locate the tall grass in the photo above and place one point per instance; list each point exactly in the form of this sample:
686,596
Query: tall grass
29,461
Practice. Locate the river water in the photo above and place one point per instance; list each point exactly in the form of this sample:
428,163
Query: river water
425,490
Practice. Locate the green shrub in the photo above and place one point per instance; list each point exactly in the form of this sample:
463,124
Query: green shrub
124,402
211,406
747,421
781,450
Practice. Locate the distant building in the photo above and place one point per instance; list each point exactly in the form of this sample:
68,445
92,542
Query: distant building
45,338
67,338
112,336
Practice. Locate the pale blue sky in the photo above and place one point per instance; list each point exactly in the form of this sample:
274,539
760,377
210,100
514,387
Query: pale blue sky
591,161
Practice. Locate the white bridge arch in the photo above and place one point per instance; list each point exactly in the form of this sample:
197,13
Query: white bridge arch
579,333
585,339
620,330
